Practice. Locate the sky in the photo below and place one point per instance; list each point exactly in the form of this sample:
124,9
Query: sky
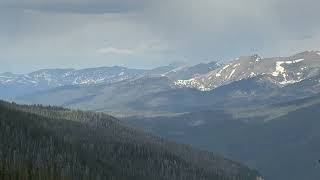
37,34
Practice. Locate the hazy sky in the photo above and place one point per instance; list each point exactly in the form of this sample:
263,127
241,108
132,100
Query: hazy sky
145,33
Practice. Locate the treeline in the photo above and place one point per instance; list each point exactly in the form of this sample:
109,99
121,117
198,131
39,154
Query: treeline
51,143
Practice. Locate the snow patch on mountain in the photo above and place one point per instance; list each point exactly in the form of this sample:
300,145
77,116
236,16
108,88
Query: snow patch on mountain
236,65
191,83
233,71
219,73
280,69
225,67
286,82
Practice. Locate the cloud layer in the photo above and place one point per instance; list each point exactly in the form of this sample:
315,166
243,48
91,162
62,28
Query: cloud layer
145,33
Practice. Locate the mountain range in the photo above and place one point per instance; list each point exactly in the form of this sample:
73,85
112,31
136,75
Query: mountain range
281,71
246,81
11,84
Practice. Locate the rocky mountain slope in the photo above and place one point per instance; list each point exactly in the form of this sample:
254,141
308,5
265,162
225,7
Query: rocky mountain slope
185,72
281,71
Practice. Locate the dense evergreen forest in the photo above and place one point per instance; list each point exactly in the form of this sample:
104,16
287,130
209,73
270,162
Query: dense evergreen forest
52,143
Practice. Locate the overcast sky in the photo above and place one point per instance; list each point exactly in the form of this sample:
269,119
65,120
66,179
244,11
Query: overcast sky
38,34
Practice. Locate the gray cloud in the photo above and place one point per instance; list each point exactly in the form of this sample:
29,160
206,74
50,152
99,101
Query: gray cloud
77,6
230,27
146,33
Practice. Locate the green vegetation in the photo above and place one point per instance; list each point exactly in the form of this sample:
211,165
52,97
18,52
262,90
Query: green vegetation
54,143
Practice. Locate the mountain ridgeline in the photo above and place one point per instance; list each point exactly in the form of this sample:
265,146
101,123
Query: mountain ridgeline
11,84
280,71
249,80
39,142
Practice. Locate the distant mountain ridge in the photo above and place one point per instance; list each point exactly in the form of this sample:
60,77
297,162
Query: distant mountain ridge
253,81
282,71
61,77
12,84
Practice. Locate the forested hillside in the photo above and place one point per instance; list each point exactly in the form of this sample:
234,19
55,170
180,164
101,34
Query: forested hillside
54,143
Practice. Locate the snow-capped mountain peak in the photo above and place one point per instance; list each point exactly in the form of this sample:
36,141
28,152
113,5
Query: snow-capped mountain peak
283,71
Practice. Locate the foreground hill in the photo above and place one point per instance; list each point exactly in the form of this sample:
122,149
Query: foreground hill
54,143
282,141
